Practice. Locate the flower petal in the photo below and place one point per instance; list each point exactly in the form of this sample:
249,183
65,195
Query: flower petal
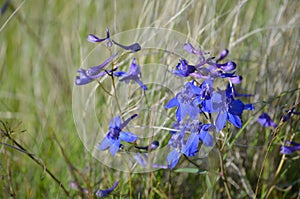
128,136
104,144
114,147
204,136
265,120
173,102
103,193
235,120
173,158
221,120
191,146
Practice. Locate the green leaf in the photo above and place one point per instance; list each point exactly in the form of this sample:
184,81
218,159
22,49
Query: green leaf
191,170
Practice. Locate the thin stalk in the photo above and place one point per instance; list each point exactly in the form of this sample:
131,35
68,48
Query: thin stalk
223,174
39,162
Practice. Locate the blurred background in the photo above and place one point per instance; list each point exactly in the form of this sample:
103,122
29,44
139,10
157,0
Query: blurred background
43,43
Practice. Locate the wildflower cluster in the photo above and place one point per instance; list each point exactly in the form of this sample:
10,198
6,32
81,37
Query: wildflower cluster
203,104
199,100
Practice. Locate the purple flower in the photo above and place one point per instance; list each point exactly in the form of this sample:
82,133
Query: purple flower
201,130
134,74
265,120
133,47
198,132
190,48
187,101
176,141
223,54
209,68
94,39
115,135
103,193
183,68
94,72
289,149
228,108
189,147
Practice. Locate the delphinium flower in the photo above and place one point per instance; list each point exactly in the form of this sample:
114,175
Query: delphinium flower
115,135
133,47
94,72
265,120
201,130
105,192
183,68
208,68
176,141
134,74
293,146
94,39
198,132
228,108
187,101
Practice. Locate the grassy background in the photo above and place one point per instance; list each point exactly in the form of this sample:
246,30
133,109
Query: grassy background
42,44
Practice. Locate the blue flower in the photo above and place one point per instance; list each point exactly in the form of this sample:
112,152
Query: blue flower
190,48
187,101
115,135
94,72
198,132
290,149
94,39
134,74
201,130
213,69
228,108
105,192
183,68
133,47
189,147
265,120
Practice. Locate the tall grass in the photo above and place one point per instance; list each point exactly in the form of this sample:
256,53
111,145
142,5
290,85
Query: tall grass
43,43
